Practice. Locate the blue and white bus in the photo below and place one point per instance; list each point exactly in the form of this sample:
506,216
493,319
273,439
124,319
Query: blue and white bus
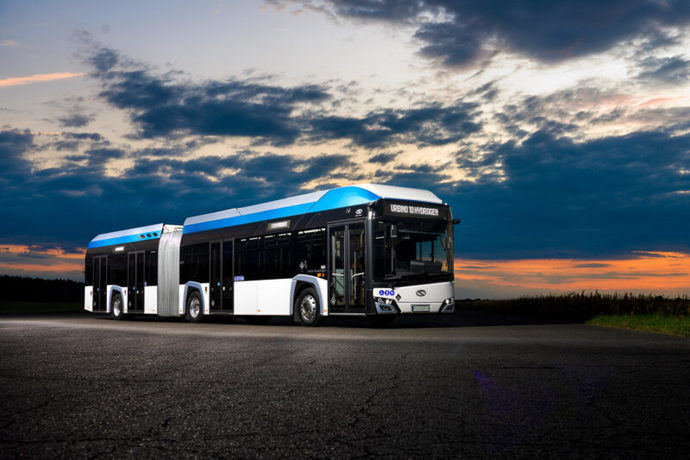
367,250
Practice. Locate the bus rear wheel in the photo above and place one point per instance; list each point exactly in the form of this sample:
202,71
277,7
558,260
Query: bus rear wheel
116,307
194,309
308,308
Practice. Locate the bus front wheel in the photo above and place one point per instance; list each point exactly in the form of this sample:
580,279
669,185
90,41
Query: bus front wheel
116,307
308,308
194,307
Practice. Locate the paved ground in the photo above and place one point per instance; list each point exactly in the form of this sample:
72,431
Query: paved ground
469,384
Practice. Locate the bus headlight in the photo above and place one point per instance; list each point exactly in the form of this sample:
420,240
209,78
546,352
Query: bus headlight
385,306
448,305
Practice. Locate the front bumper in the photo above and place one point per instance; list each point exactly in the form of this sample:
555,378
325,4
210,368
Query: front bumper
414,299
384,307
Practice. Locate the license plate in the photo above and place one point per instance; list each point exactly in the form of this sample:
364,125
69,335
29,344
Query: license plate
417,308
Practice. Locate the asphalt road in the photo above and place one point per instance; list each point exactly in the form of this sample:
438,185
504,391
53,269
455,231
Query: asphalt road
468,384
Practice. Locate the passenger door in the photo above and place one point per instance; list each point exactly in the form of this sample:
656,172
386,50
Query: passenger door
220,276
100,268
215,280
135,281
227,276
346,283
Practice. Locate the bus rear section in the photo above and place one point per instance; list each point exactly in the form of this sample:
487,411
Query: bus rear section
130,271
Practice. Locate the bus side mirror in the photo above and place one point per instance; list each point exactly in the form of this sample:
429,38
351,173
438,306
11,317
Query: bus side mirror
394,231
456,221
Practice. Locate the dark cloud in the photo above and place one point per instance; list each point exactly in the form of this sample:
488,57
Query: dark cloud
487,91
462,32
13,144
161,106
431,125
564,112
76,113
98,157
658,39
561,198
383,158
591,265
103,60
84,136
72,142
75,120
670,70
67,205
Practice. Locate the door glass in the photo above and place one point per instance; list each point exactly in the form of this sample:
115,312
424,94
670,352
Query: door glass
131,280
140,281
356,265
338,267
227,276
103,281
96,283
215,282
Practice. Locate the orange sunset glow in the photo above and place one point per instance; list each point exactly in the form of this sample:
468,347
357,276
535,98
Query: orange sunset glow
658,272
32,260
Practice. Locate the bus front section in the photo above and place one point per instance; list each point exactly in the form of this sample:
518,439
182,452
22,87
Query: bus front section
412,259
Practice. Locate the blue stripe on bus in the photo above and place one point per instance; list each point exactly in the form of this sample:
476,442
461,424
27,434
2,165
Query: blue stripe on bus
119,240
333,199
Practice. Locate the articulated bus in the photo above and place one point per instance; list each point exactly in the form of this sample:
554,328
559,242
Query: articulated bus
369,250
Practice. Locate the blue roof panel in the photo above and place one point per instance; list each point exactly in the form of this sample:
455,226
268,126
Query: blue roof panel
130,235
312,202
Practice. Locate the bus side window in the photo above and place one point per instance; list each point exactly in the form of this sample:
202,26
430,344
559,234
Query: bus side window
310,251
88,272
117,269
194,263
248,263
151,268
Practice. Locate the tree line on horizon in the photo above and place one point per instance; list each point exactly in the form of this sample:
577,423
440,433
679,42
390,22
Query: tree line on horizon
27,289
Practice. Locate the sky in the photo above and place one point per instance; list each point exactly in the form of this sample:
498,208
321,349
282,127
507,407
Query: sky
558,132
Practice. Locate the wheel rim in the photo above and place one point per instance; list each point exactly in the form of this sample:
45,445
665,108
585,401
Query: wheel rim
117,306
308,308
194,307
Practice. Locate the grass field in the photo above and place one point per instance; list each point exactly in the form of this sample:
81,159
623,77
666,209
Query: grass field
665,324
15,307
641,312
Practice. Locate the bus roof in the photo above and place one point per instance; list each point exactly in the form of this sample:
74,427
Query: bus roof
323,200
131,235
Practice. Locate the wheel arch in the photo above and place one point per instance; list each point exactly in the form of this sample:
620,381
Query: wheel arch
193,286
301,282
111,292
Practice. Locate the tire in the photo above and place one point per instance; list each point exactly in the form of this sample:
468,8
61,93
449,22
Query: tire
308,308
257,320
116,310
195,309
383,320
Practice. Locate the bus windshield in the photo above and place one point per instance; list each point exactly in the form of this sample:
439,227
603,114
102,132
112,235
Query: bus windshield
405,250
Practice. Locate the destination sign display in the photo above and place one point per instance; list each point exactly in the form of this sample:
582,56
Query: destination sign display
411,209
280,225
416,210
